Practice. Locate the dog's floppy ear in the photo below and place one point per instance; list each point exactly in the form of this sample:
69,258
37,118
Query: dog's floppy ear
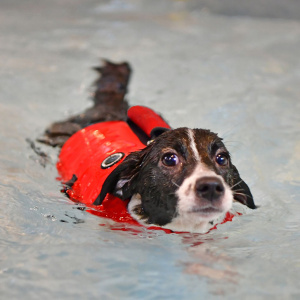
241,191
120,181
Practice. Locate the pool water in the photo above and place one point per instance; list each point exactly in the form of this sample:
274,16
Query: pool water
227,67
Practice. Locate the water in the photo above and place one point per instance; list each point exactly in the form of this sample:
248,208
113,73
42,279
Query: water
201,64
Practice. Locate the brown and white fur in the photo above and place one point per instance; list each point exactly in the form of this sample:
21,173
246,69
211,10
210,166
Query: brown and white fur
184,181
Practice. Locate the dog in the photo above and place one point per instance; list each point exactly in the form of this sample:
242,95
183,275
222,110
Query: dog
183,180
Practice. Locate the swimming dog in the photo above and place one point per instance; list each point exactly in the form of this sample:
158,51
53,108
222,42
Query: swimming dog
183,180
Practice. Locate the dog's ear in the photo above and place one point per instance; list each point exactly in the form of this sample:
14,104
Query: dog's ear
120,181
241,191
157,131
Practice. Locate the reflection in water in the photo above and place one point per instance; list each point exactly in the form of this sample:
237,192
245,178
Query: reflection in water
207,263
210,264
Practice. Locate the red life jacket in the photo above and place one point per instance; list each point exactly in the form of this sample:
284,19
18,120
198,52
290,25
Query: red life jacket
91,154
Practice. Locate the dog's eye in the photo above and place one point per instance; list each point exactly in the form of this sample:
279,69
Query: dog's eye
222,159
170,159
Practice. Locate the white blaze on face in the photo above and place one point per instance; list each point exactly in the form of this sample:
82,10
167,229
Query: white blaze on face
187,192
189,205
193,145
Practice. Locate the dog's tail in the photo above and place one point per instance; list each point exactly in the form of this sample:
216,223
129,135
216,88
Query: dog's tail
109,104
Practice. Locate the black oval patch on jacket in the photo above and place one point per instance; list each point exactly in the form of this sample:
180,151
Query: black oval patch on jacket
111,160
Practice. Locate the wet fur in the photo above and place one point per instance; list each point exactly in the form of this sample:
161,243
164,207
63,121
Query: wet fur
155,187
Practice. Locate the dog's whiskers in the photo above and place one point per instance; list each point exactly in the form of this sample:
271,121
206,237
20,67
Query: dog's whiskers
236,184
239,190
242,194
175,183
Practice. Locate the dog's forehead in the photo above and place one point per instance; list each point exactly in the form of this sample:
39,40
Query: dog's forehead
207,143
205,138
192,142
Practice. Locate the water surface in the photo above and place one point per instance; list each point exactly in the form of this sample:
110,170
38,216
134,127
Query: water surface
234,71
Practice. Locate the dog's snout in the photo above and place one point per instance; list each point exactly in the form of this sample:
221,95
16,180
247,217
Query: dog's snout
209,188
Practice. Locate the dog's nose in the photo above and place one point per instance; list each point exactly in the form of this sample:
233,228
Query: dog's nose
209,188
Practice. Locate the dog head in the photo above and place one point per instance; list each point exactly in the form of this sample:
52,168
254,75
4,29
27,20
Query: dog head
183,180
